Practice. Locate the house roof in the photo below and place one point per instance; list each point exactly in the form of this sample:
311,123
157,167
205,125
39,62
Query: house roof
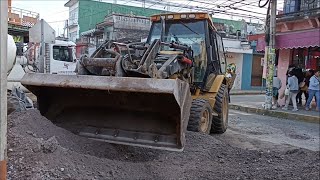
70,3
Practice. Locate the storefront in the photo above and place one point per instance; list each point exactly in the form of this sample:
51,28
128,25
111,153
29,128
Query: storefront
299,48
306,58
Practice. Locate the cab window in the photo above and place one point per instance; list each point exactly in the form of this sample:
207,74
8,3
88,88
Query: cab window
61,53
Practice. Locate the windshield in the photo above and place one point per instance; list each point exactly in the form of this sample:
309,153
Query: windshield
62,53
186,33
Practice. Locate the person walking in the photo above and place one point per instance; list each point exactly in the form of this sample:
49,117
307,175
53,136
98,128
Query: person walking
314,90
293,86
277,84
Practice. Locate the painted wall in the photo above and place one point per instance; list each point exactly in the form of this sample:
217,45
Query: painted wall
296,26
283,64
237,59
246,71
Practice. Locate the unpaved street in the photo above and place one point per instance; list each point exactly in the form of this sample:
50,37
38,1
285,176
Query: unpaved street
254,147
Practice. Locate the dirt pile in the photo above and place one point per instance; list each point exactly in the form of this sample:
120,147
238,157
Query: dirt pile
37,149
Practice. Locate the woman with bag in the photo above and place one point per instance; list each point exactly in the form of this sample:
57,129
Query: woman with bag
293,88
314,90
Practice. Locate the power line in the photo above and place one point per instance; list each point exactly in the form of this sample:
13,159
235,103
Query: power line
199,8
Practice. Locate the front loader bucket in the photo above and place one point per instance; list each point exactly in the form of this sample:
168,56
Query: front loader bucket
144,112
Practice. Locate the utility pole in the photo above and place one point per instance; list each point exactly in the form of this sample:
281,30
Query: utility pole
271,55
3,87
42,62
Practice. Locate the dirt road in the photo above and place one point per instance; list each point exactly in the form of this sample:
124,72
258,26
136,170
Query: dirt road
248,150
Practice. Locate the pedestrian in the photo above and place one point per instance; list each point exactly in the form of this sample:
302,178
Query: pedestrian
303,88
314,90
277,84
293,86
230,77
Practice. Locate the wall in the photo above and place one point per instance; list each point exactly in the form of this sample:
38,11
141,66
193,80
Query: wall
73,33
283,64
237,59
93,12
73,20
121,35
295,26
74,14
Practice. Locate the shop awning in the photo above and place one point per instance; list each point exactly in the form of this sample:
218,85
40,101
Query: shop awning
301,39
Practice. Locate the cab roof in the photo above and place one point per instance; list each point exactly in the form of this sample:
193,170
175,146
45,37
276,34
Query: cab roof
183,16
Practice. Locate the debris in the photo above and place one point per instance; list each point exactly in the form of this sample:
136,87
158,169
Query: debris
68,156
50,145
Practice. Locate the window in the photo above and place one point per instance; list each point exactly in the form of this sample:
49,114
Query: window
100,40
187,33
73,16
62,53
220,48
190,33
291,6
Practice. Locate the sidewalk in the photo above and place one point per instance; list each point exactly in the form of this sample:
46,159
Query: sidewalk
253,104
246,92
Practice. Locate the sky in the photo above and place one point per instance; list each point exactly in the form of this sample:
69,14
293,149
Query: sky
50,11
55,13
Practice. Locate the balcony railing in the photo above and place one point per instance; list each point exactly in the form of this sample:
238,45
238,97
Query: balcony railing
315,12
22,17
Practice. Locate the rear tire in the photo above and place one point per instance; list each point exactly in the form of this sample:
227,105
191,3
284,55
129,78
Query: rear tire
200,116
220,123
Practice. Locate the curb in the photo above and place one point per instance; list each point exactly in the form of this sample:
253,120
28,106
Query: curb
277,114
246,93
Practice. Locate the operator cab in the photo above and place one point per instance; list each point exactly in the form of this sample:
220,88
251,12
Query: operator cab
194,30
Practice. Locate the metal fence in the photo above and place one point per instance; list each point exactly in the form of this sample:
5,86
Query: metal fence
22,17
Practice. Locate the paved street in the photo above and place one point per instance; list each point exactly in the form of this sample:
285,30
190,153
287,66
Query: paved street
261,129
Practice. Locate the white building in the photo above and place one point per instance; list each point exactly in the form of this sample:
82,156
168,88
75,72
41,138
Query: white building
239,53
73,26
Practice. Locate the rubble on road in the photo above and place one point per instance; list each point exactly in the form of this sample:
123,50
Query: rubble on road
40,150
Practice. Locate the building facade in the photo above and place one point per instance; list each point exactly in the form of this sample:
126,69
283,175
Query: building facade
84,15
19,22
240,53
297,37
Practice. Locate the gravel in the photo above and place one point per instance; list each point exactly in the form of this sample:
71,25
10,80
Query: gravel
40,150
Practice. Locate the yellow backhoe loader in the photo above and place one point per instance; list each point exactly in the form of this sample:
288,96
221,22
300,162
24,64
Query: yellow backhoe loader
144,94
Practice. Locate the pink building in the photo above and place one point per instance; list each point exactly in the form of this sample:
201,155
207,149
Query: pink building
297,39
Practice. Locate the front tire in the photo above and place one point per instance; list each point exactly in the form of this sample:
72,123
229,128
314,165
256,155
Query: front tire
220,122
200,116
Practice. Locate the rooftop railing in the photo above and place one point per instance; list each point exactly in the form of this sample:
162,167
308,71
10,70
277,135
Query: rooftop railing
22,17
